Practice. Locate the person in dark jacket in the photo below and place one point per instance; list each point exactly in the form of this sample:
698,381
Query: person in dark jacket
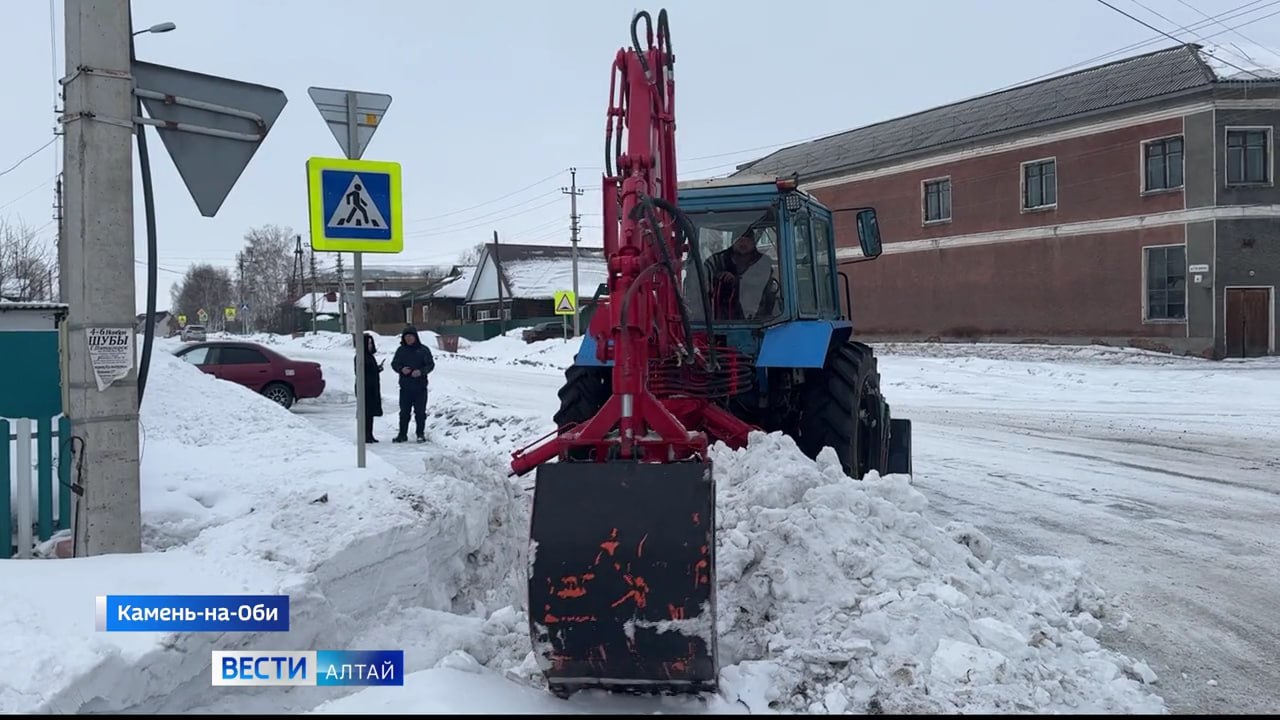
372,387
413,363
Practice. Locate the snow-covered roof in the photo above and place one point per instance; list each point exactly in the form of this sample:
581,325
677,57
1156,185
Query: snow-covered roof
1241,61
536,272
456,289
32,305
334,306
540,279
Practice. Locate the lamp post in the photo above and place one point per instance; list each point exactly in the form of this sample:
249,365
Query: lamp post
163,27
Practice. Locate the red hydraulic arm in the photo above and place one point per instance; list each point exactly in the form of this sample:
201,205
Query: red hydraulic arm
645,320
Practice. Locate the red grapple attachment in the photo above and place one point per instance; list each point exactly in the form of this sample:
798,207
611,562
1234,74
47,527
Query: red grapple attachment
622,576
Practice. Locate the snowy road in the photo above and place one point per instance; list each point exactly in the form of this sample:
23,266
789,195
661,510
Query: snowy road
1182,539
1156,473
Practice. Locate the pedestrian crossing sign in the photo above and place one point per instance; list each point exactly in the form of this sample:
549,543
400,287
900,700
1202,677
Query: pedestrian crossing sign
355,205
565,302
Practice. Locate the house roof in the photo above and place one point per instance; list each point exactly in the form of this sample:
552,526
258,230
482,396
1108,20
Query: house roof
335,306
9,305
536,272
1135,79
456,288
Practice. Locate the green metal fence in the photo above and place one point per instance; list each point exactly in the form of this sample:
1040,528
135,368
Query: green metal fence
52,457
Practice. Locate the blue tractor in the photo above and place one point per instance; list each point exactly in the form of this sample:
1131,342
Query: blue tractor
772,303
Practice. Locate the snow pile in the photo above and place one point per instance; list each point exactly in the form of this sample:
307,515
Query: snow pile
841,596
240,496
835,596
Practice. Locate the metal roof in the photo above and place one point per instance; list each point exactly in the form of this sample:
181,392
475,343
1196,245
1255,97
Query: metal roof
1135,79
32,305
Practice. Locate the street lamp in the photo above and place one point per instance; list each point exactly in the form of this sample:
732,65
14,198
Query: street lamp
161,28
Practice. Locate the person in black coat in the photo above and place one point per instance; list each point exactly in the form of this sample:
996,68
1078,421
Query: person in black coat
413,363
372,387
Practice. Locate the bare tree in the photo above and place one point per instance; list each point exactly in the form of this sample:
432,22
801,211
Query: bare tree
472,255
265,271
204,287
27,264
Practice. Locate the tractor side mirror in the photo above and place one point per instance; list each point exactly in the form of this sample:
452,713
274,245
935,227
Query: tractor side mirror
868,232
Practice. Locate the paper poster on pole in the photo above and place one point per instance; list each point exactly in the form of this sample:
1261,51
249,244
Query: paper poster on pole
111,353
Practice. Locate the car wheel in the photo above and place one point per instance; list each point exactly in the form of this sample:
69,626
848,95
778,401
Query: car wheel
280,394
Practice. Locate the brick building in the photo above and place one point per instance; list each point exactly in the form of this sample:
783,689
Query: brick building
1132,203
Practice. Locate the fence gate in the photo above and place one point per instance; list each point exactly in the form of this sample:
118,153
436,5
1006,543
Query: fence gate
32,505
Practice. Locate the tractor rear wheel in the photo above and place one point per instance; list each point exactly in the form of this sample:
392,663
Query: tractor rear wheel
841,407
586,389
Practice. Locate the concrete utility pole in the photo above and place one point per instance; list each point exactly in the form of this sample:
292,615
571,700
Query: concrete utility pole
96,258
573,192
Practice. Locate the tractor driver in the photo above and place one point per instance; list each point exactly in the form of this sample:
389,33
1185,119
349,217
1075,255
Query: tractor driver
736,273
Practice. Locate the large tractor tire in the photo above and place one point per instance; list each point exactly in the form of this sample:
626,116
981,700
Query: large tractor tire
586,389
842,408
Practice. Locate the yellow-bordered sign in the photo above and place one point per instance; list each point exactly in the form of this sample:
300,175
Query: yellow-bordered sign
355,205
565,302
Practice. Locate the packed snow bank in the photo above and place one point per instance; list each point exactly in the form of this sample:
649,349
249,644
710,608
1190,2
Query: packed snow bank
848,598
242,496
840,596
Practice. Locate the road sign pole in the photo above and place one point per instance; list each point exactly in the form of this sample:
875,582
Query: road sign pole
354,151
369,188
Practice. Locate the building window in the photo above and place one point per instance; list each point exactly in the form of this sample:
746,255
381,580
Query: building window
1166,282
1039,184
1248,156
1162,160
937,200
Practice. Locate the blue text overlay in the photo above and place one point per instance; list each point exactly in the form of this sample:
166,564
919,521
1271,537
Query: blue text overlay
308,667
193,613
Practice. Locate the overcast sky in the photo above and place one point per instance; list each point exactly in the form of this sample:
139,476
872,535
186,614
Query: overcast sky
492,97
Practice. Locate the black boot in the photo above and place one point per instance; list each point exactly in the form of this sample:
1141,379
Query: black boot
368,430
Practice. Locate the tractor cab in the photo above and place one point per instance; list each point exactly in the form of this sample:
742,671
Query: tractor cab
768,253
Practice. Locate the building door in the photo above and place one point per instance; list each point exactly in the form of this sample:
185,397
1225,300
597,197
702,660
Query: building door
1248,322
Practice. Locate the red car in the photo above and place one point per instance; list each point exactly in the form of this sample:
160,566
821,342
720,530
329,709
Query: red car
257,368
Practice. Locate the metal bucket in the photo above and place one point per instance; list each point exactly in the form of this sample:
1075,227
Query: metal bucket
622,576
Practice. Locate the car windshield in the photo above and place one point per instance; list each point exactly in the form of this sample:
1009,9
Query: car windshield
739,250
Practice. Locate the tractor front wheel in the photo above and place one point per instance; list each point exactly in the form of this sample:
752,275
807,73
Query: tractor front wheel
586,389
842,408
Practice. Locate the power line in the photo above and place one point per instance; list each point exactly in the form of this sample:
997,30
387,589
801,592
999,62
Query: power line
29,156
465,224
1180,42
42,184
552,176
1162,16
1244,37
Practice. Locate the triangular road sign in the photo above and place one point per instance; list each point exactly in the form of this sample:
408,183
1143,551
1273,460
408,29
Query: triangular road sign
370,108
564,302
357,208
212,126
